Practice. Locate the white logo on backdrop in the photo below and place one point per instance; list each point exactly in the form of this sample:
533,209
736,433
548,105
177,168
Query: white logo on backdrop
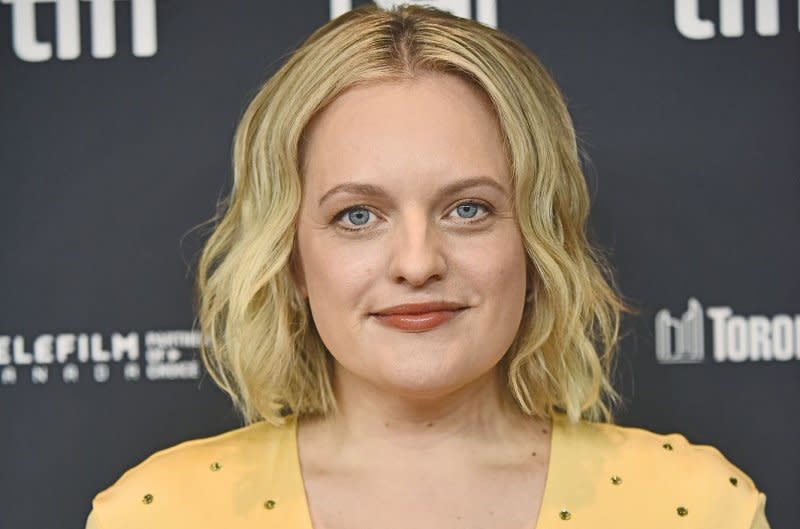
680,341
731,19
93,357
103,28
736,338
485,10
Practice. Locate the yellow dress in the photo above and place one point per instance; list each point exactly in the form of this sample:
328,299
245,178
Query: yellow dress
599,476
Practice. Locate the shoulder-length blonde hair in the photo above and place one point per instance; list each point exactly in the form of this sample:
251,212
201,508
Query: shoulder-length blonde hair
260,343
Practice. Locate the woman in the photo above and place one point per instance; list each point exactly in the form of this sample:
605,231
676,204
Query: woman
400,299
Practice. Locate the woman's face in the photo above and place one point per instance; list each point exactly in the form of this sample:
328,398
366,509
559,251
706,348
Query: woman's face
407,199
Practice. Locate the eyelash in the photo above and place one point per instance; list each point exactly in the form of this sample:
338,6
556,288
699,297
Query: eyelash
339,216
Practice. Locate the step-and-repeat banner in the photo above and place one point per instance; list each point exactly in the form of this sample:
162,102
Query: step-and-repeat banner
116,122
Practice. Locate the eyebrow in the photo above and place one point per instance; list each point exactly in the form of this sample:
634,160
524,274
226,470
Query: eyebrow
455,187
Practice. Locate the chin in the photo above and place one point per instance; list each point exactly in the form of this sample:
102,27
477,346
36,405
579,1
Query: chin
428,382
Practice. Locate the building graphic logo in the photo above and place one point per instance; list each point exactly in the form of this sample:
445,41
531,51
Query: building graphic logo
735,338
103,29
485,11
680,341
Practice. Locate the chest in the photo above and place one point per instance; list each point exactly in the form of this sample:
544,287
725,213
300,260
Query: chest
499,498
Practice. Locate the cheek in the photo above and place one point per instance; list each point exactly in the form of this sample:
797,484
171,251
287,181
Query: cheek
339,278
497,268
337,274
496,274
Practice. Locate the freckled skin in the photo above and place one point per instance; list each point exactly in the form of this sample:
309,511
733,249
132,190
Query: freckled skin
412,139
424,436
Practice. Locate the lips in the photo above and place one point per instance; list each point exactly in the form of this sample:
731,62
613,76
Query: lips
418,317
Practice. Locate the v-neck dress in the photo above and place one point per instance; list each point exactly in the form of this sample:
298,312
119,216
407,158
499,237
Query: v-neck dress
599,476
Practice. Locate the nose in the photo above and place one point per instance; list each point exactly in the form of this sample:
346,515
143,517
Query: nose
417,255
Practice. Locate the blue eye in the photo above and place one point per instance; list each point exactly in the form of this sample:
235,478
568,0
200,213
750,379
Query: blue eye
358,216
468,209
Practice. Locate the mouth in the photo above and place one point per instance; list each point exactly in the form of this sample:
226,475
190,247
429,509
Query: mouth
418,317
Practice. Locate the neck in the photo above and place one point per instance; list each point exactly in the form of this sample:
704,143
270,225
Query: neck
476,416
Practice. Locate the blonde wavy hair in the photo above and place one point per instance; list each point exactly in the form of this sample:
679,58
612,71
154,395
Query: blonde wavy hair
260,343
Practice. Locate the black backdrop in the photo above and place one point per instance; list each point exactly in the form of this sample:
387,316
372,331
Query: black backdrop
116,120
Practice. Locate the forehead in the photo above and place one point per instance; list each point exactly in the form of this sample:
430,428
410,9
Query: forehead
430,127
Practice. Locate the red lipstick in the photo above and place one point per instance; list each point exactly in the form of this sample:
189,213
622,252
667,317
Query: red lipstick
418,317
